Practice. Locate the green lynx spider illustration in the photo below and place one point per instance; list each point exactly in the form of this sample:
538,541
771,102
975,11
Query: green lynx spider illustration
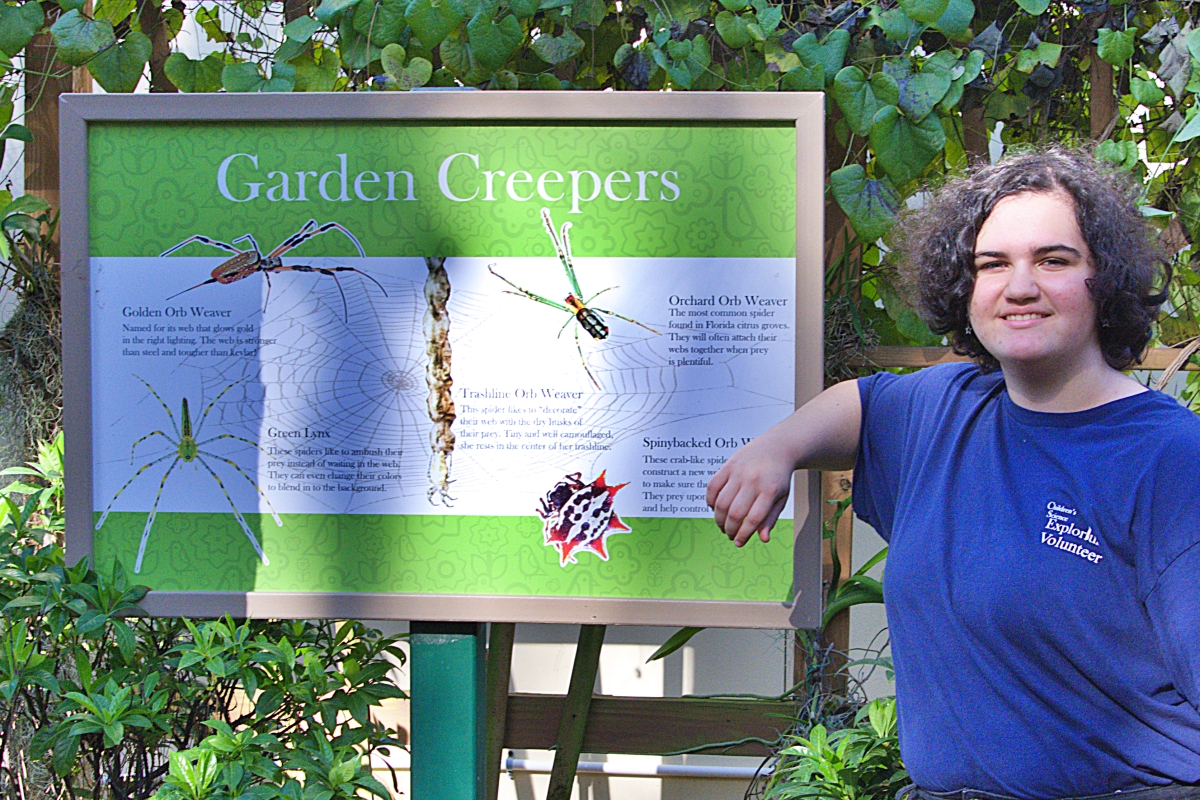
580,310
187,444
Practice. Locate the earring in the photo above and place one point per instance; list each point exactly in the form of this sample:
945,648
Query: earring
968,329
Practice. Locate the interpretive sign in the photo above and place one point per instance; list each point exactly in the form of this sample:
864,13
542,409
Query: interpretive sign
439,355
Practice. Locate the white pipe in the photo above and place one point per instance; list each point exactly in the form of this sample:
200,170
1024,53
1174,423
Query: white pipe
635,771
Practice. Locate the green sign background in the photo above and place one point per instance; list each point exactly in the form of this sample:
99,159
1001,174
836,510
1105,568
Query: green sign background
152,185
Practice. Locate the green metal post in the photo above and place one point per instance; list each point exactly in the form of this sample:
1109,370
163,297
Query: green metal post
447,710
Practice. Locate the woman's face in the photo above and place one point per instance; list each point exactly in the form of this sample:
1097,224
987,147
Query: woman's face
1031,305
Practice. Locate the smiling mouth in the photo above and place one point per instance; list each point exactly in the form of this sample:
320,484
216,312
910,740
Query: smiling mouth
1023,317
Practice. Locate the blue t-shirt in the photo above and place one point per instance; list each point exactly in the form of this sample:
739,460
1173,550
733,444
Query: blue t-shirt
1043,584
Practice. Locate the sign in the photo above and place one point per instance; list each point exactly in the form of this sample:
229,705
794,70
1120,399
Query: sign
439,355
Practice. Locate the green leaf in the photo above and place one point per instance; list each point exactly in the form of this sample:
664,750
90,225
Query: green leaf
1115,47
924,11
919,93
861,98
1122,155
433,20
769,17
830,54
903,148
1146,92
383,21
492,43
330,11
870,204
677,640
557,49
804,79
1034,7
955,21
301,29
18,24
120,67
392,59
316,71
72,5
78,38
524,9
244,77
194,76
733,30
115,11
16,131
899,27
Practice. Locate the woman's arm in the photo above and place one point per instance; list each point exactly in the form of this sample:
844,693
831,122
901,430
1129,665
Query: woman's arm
748,493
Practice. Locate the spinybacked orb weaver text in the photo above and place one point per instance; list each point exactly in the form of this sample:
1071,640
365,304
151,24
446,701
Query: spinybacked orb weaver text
247,262
580,309
187,449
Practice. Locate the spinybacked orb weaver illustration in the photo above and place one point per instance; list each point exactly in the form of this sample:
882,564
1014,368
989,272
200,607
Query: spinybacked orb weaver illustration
580,310
580,516
247,262
187,449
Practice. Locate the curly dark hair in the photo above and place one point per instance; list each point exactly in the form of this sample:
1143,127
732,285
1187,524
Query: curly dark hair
938,247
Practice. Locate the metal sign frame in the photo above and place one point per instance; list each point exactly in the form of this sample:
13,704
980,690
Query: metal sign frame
805,110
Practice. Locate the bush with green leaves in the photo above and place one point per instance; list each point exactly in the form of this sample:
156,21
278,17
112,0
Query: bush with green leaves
99,700
861,762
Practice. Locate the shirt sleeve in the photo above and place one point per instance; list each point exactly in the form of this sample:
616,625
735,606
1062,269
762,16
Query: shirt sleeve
1174,608
886,401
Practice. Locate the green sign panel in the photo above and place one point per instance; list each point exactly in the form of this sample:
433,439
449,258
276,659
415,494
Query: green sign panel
460,358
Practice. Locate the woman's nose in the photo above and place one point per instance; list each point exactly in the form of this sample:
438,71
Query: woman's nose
1022,283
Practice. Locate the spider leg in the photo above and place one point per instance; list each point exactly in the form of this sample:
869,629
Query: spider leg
242,472
137,566
133,449
238,438
582,360
253,243
197,286
208,408
528,295
570,319
627,319
144,467
166,408
597,294
308,232
237,514
202,240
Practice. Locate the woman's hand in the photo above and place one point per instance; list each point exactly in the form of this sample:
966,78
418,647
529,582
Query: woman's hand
750,490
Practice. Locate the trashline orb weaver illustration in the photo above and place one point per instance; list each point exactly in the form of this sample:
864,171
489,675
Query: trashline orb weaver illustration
187,446
248,262
580,309
578,515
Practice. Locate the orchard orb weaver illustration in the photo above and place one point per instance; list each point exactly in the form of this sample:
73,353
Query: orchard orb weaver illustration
247,262
577,515
187,449
580,310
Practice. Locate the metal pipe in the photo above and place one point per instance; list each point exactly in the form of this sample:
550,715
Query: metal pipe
636,771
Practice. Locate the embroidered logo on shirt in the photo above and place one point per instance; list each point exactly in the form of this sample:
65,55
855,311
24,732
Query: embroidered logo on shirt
1062,533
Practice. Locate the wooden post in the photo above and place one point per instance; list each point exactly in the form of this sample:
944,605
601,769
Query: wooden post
575,712
975,134
499,667
1102,100
835,486
154,25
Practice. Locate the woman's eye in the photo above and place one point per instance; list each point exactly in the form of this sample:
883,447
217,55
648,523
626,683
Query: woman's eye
990,265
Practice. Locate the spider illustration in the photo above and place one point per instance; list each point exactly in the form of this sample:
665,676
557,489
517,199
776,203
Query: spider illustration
580,310
247,262
187,449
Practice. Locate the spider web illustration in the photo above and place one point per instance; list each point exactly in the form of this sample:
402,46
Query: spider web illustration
362,379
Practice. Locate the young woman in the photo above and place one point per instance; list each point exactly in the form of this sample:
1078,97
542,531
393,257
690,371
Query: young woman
1042,509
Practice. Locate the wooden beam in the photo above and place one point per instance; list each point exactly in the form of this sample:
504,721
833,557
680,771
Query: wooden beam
1156,358
499,667
652,725
574,713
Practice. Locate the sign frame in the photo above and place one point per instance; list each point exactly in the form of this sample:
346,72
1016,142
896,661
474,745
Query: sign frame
804,109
